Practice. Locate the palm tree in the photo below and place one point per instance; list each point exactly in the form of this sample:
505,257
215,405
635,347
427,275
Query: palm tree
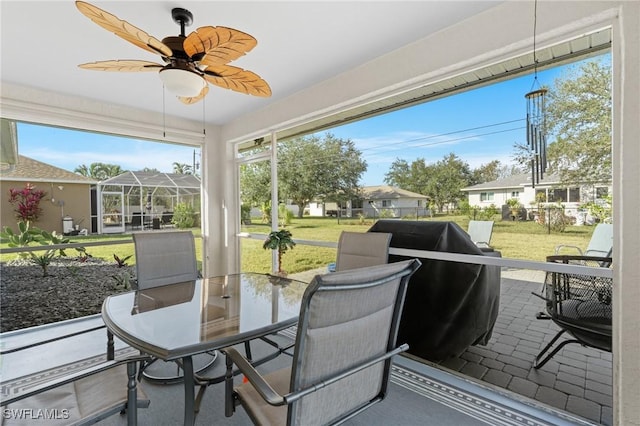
182,168
99,171
279,240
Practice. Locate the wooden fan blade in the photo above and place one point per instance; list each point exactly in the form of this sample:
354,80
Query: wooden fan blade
220,45
237,79
123,29
195,99
126,65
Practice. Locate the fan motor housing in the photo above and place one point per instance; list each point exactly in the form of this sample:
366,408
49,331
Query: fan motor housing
175,43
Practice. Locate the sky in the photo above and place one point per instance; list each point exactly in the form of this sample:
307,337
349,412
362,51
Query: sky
478,125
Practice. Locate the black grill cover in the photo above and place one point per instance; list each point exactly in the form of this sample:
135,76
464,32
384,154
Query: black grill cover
449,305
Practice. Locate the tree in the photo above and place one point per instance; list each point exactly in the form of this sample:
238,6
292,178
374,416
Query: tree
446,178
441,181
182,168
412,177
279,240
486,172
579,118
312,167
99,171
255,183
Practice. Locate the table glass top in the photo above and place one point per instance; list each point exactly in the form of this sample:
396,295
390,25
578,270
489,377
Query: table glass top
186,318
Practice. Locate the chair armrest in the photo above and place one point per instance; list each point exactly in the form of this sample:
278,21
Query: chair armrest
262,387
72,377
561,246
274,398
293,396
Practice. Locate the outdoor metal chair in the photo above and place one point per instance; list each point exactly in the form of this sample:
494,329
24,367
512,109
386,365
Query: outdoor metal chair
480,232
360,249
136,220
164,258
579,304
601,243
345,340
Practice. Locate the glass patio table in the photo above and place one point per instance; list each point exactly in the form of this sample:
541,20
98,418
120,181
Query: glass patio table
178,321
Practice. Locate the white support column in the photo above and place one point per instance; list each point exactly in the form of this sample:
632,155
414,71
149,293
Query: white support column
274,195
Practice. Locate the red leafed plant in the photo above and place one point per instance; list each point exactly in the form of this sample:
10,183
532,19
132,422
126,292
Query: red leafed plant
27,200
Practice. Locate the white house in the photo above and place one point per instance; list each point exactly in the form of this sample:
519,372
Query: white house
520,186
376,201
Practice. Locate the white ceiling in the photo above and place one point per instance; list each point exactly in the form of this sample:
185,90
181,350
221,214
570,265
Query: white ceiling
300,44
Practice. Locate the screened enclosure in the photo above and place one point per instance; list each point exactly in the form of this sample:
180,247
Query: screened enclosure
144,200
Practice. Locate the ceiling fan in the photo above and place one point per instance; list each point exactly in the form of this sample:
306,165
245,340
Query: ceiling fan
190,61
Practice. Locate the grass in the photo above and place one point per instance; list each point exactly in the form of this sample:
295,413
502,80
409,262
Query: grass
517,240
525,240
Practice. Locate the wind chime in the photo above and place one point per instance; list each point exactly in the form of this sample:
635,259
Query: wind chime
536,134
536,128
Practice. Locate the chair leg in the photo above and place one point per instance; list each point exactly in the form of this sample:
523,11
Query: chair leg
229,405
132,395
538,363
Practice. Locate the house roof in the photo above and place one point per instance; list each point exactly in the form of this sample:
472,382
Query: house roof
514,181
386,192
28,169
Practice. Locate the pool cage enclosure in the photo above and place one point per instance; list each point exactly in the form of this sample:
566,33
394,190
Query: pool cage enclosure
138,200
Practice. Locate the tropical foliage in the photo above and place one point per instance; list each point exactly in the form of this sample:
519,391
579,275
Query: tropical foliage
279,240
27,202
184,216
99,171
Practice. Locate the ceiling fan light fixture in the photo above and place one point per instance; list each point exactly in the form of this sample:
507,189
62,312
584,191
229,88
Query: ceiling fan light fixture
182,82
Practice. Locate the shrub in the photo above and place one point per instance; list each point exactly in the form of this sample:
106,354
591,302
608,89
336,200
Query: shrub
25,235
184,216
121,262
284,215
28,202
245,214
465,208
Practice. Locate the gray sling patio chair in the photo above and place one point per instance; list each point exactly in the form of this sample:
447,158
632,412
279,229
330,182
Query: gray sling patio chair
77,397
345,340
480,232
360,249
600,244
163,258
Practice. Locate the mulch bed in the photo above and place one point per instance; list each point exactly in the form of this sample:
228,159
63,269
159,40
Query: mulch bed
72,289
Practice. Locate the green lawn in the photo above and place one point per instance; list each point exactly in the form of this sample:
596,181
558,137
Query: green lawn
517,240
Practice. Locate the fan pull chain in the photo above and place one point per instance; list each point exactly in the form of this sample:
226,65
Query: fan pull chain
164,114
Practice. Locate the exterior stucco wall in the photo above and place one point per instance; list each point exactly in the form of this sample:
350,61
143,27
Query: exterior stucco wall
72,200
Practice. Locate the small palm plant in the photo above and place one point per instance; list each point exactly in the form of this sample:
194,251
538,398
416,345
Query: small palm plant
279,240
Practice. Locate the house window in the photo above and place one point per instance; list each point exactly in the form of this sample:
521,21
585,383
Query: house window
574,195
515,194
563,195
486,196
386,203
601,192
558,195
